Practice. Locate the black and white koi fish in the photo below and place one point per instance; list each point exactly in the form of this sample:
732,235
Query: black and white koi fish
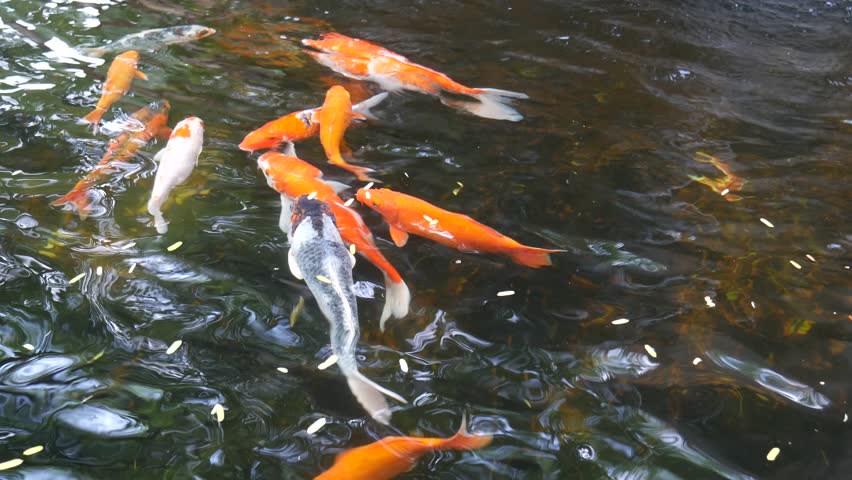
153,39
318,255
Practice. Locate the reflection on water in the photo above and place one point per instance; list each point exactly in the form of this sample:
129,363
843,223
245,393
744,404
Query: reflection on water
641,116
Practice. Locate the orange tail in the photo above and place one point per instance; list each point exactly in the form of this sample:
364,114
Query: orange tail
94,117
360,172
533,257
465,441
77,197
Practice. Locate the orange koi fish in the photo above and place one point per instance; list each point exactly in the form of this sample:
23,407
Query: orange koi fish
293,177
153,118
334,116
120,76
298,126
728,183
391,456
363,60
406,214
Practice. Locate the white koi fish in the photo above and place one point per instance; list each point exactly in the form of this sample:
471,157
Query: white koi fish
176,162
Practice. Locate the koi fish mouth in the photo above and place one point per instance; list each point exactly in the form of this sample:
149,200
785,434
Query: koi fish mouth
205,33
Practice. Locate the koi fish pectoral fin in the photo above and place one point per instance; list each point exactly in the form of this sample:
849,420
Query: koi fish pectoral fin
286,214
289,150
294,267
399,237
358,116
141,75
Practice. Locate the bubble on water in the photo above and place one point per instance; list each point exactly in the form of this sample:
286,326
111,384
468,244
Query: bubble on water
26,222
586,452
101,421
15,80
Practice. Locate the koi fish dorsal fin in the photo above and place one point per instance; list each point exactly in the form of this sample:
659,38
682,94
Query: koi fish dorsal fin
463,440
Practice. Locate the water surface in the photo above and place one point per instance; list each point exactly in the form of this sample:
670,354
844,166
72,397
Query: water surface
752,350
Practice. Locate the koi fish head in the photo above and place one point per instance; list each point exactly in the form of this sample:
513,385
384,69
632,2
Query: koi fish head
281,169
336,100
160,106
337,92
190,127
263,138
200,31
129,56
293,127
314,210
380,200
330,42
343,45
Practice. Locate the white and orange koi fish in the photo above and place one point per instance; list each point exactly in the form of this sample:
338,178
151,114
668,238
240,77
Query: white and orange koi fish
363,60
176,162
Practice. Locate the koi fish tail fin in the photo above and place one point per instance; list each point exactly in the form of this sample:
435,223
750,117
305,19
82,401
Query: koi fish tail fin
370,395
492,104
364,107
360,172
160,222
533,257
94,117
464,440
77,197
397,298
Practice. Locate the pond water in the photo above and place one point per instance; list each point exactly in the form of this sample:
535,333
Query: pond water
692,157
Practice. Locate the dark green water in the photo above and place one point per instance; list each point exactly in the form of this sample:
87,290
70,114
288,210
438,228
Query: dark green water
623,96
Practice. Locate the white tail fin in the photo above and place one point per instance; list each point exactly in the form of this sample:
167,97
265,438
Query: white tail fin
397,298
370,395
492,104
364,107
160,223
